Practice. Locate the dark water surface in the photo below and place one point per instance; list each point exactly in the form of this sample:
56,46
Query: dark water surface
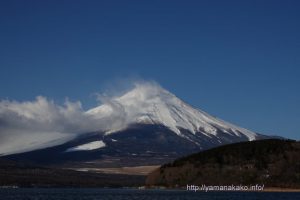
126,194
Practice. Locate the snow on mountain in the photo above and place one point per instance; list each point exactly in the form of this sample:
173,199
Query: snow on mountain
148,103
88,146
29,126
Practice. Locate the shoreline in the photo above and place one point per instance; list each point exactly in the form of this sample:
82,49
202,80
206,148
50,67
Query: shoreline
268,189
275,189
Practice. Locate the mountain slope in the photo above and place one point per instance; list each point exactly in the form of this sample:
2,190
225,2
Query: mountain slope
148,103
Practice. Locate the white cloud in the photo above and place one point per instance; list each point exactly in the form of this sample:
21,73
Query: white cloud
33,124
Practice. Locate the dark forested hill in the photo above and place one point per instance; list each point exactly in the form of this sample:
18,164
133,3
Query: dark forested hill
274,163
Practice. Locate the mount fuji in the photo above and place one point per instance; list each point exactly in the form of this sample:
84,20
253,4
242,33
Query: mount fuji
148,125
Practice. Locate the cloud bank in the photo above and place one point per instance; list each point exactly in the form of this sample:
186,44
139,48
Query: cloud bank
33,124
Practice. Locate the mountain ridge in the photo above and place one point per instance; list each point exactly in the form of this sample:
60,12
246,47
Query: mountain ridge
149,103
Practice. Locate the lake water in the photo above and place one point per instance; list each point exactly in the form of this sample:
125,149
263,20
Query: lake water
128,194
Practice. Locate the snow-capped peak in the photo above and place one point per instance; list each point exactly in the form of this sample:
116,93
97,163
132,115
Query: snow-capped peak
149,103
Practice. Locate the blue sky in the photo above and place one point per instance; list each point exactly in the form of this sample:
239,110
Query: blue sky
238,60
